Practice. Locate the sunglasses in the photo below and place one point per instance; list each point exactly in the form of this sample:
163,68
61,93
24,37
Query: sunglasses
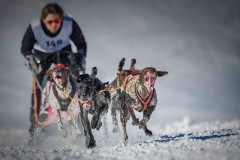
57,21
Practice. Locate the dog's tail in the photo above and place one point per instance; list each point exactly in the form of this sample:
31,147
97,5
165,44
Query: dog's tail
94,71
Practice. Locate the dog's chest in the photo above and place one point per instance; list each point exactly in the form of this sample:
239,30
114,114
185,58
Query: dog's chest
63,93
62,98
133,100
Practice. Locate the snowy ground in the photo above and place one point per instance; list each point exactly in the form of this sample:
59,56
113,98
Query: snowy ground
197,42
178,140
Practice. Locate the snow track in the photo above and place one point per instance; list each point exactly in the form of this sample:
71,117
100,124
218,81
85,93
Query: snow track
179,140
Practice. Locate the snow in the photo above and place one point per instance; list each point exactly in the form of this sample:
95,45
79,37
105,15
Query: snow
197,42
178,140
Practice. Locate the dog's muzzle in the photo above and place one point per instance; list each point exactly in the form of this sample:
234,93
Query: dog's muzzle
86,104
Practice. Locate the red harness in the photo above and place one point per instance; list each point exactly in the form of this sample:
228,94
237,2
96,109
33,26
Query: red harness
149,98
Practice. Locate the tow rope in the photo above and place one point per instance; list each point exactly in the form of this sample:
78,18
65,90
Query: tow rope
36,104
111,89
43,123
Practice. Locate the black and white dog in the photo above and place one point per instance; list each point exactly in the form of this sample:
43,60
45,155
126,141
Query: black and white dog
62,92
115,89
93,99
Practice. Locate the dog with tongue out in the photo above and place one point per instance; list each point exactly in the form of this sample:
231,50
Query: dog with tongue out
62,92
60,74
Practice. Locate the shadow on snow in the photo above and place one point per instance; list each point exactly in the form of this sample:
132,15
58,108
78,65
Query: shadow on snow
211,135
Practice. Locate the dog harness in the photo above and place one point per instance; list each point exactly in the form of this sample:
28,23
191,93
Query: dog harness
146,102
64,102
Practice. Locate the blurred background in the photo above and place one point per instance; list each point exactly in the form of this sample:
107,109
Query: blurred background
197,42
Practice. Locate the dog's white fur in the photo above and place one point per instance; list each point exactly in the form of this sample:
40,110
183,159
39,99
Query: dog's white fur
72,112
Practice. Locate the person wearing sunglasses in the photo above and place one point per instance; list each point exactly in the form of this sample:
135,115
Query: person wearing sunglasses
50,34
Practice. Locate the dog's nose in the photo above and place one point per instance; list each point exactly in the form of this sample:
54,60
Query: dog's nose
84,95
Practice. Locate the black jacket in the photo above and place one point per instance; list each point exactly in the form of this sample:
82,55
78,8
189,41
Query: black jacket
77,37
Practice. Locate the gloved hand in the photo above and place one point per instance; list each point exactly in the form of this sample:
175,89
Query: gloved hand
32,66
63,131
28,57
26,53
82,52
78,60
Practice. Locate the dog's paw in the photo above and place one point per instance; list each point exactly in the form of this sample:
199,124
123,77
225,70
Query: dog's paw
63,132
142,124
148,132
135,122
78,133
115,129
90,142
99,126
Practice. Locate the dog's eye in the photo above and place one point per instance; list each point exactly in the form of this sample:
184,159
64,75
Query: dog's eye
60,70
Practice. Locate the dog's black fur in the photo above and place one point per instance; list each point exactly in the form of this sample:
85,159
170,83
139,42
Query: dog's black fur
92,99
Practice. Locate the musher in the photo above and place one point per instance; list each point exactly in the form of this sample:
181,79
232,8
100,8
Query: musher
45,37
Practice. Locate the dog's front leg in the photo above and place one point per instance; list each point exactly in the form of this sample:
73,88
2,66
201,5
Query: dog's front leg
61,127
90,142
123,118
75,128
146,116
74,112
135,120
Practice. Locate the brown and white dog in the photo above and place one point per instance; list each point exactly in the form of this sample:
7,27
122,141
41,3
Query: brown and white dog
138,93
62,93
115,90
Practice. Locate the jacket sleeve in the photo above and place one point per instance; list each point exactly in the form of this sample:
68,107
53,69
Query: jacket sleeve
78,38
28,42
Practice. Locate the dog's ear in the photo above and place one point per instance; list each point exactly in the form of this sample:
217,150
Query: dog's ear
161,73
49,75
81,77
94,71
106,83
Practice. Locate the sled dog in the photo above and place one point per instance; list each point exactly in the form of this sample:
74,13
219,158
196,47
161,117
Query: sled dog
93,99
62,98
139,95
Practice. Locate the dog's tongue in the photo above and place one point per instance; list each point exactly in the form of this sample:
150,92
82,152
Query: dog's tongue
86,104
59,80
150,83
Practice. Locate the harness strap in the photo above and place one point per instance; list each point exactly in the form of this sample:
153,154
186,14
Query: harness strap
148,99
43,123
64,103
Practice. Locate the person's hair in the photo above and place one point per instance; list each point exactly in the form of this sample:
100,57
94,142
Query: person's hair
52,8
